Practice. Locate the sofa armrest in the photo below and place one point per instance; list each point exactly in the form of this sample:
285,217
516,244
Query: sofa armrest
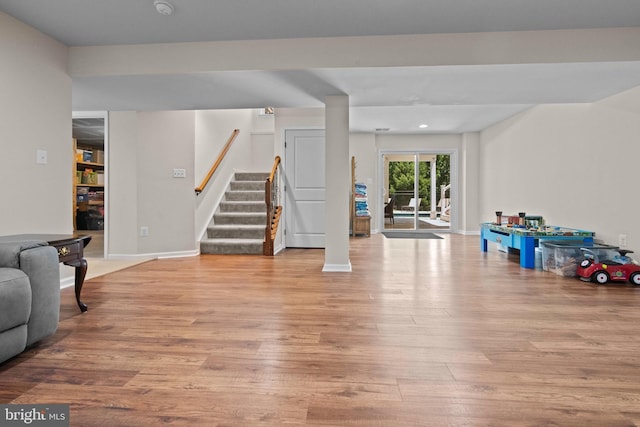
10,251
40,263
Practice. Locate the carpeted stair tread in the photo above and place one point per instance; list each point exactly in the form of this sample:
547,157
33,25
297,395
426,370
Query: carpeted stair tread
238,225
231,246
231,240
238,231
240,218
246,186
248,196
242,206
251,176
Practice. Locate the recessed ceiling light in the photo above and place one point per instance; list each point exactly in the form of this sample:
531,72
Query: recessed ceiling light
423,126
163,7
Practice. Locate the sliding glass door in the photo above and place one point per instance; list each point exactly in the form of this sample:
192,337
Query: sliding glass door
416,191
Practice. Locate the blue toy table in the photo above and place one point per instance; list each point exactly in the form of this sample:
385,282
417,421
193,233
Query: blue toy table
526,240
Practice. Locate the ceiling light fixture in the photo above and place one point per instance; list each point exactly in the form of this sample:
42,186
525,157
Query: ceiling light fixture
423,126
163,7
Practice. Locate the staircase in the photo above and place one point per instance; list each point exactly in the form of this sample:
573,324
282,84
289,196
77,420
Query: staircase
239,223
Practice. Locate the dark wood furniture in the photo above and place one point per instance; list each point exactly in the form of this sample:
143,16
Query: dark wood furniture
388,209
70,249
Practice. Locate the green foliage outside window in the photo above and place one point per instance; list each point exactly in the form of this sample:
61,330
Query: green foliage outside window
401,179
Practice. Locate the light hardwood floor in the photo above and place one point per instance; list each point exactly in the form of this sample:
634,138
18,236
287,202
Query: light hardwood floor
421,333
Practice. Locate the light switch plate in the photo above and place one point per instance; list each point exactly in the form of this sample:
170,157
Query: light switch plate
179,173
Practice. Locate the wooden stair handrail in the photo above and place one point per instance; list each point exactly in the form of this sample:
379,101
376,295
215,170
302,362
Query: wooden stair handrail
276,163
215,165
273,212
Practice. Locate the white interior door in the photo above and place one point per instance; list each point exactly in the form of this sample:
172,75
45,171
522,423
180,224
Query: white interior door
305,188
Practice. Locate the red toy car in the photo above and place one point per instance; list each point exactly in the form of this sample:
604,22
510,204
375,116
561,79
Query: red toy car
620,268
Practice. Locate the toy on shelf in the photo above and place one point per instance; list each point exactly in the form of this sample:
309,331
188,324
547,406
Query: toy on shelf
521,221
619,269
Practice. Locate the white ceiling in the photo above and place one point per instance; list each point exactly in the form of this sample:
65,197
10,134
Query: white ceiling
450,99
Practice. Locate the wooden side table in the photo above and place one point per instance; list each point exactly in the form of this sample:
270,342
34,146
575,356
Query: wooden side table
362,225
70,249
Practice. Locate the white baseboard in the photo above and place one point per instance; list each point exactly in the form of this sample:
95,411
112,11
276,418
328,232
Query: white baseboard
469,233
337,268
278,249
67,282
157,255
67,274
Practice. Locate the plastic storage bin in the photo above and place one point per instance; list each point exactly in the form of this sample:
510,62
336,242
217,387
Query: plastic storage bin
563,257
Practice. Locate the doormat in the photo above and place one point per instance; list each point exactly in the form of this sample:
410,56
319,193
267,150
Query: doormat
410,235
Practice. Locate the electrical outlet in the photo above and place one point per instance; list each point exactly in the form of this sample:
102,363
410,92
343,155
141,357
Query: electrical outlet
41,157
622,240
179,173
144,231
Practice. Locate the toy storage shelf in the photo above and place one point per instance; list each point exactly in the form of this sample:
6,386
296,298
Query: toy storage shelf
526,240
359,225
88,195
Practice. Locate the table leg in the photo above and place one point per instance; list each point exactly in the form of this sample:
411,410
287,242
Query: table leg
81,271
483,242
527,252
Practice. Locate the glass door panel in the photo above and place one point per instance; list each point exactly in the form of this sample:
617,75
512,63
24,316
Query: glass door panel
444,186
416,191
423,189
400,201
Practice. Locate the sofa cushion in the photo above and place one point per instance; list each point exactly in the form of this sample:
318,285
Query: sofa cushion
12,342
15,298
10,251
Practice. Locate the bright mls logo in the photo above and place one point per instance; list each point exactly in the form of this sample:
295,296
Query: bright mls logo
34,415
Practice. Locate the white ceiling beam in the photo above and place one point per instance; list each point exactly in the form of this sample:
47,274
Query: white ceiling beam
522,47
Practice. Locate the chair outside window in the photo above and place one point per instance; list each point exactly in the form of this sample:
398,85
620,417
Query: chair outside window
412,206
388,209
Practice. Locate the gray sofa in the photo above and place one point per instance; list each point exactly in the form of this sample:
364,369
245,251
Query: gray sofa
29,295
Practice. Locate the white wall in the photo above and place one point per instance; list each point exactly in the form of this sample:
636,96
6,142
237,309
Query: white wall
165,204
212,131
576,164
469,185
261,151
295,118
144,148
122,214
262,142
35,114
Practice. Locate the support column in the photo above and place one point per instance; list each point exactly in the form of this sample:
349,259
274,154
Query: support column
387,184
469,189
338,184
434,188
